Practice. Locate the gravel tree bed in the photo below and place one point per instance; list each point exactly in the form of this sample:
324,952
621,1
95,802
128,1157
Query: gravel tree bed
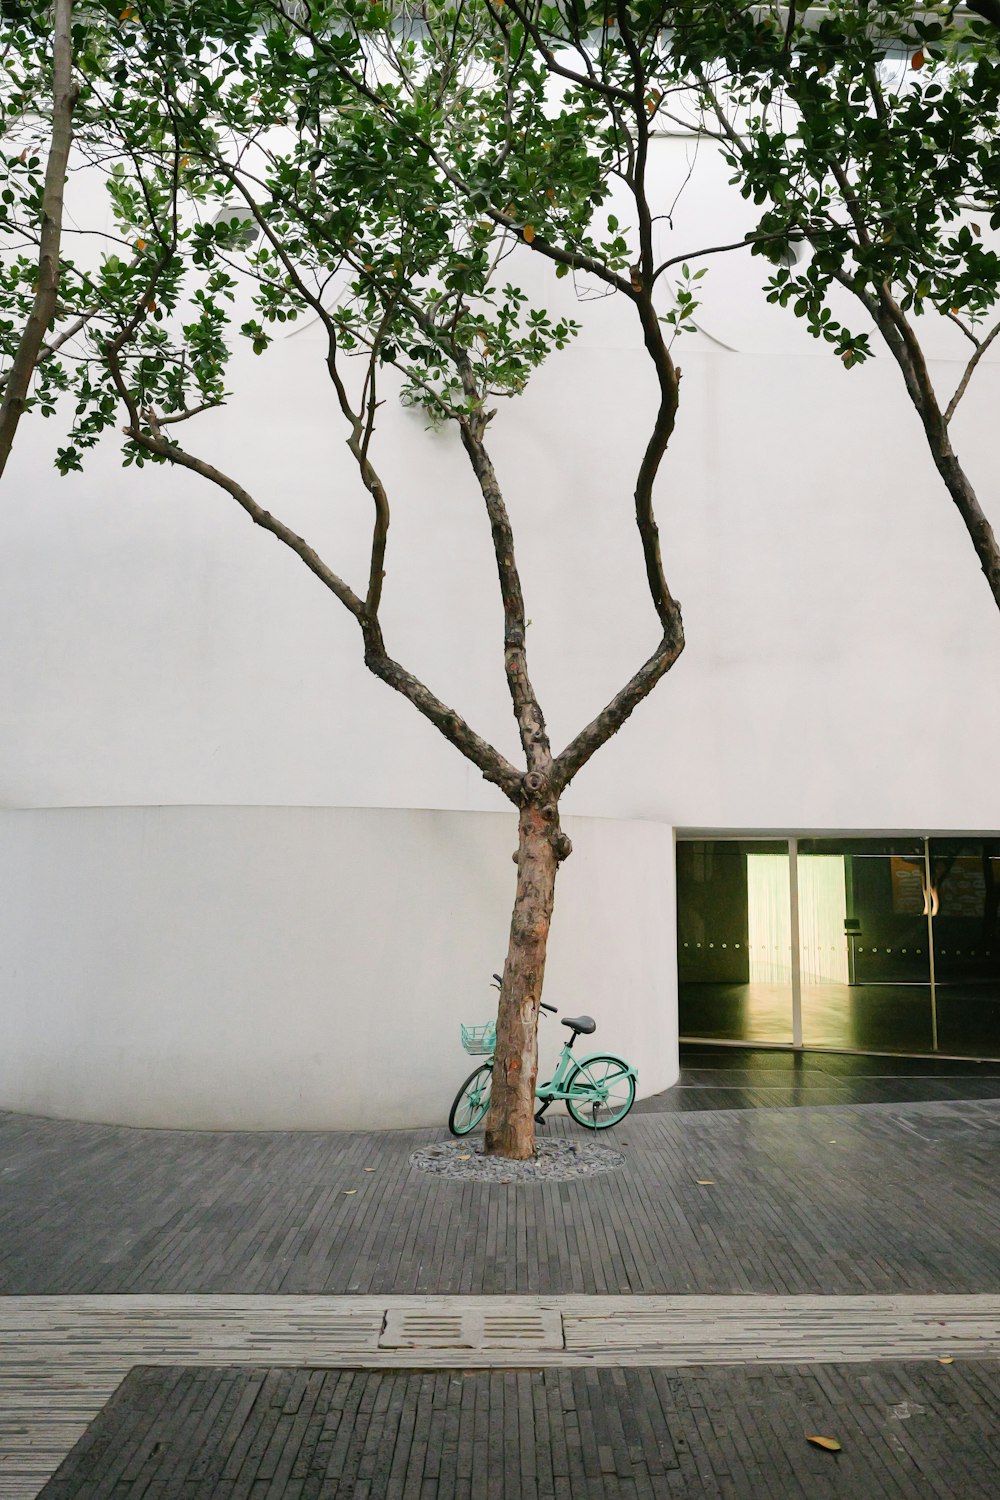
556,1160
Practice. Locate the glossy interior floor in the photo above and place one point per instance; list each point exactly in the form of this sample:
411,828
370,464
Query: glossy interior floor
876,1017
762,1078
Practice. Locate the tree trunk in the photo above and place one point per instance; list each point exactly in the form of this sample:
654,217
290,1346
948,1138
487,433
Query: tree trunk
43,310
976,523
510,1125
906,350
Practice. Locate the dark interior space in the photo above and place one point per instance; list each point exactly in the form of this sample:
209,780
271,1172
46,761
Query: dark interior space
897,943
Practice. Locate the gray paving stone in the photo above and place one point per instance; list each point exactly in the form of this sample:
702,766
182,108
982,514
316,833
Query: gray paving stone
845,1200
907,1432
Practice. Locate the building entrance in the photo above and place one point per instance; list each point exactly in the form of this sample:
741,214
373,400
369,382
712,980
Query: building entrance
870,945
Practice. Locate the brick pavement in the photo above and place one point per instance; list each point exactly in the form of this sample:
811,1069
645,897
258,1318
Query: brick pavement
848,1199
907,1433
863,1199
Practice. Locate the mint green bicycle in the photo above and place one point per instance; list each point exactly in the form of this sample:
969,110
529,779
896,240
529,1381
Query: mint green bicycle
598,1091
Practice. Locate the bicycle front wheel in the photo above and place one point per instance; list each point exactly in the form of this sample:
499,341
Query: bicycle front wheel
606,1092
472,1101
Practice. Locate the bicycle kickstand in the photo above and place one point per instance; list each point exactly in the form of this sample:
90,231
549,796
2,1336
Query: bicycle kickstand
539,1113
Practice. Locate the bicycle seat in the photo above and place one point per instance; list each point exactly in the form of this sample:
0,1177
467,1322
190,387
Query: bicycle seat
580,1023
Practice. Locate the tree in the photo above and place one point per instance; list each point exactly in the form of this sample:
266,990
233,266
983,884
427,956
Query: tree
383,173
44,199
868,136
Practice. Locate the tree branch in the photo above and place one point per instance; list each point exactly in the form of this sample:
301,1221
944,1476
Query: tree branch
495,767
527,710
143,431
963,384
966,332
607,723
54,345
26,356
745,244
360,433
587,80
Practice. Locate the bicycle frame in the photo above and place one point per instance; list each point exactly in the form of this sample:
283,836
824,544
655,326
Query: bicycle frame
556,1087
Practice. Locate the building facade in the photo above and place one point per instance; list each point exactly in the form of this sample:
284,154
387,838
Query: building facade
245,885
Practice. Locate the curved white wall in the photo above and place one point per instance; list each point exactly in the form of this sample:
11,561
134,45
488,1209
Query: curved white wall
284,968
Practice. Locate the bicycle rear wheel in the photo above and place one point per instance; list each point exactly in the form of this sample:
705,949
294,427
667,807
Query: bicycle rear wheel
613,1092
472,1101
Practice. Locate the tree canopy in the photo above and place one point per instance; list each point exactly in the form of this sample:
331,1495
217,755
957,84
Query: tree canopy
866,134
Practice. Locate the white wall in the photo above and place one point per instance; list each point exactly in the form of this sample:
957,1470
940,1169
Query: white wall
284,968
842,645
227,962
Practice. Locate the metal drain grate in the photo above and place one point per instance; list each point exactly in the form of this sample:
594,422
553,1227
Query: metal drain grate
537,1330
472,1329
405,1330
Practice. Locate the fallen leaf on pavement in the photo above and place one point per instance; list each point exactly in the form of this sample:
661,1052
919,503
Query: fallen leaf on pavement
705,1181
829,1443
946,1359
349,1192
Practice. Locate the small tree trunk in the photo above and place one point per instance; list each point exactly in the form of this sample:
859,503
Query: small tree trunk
908,354
44,306
510,1125
967,502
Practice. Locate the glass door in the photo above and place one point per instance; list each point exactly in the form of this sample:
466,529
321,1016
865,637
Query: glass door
869,945
864,945
734,940
964,890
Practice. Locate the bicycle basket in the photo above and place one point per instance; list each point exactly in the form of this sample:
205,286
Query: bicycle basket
480,1040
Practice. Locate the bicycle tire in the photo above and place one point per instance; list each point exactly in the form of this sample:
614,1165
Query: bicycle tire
460,1124
617,1112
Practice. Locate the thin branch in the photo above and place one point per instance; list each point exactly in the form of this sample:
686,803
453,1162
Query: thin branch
359,439
585,80
729,131
159,445
954,318
967,376
574,259
747,243
607,723
851,202
54,345
637,173
689,127
185,416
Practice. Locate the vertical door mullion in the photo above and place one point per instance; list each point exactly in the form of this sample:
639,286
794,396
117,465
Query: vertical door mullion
793,905
930,942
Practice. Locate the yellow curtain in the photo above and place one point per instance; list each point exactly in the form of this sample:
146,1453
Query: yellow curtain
822,909
769,919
